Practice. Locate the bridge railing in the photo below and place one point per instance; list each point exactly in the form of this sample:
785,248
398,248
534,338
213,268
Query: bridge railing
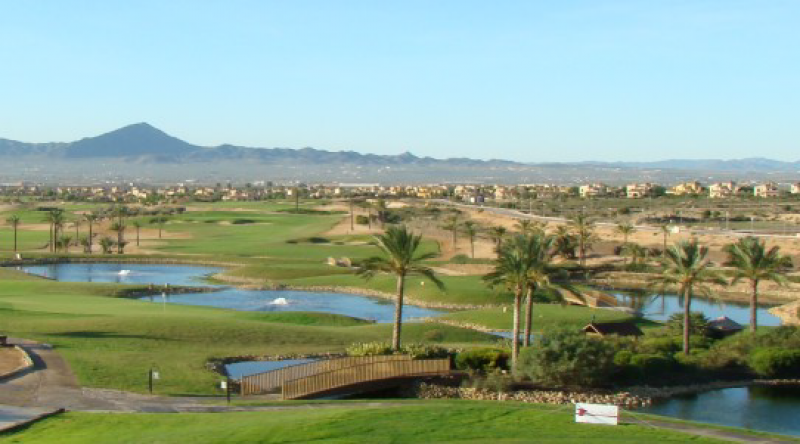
362,373
274,379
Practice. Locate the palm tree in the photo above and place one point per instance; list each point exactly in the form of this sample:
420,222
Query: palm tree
666,230
471,231
77,224
540,270
511,271
636,252
106,244
566,243
90,218
64,241
56,219
86,243
686,268
752,261
14,222
451,223
119,228
138,225
524,226
584,231
625,229
498,233
399,246
160,221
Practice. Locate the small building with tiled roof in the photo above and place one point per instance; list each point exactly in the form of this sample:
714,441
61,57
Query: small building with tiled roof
612,328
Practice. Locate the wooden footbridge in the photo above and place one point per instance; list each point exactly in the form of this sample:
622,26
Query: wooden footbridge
338,376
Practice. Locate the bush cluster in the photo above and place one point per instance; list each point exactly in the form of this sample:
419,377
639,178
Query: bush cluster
416,351
483,359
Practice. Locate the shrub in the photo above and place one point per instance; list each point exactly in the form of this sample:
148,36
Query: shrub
666,345
460,259
651,364
563,357
623,358
483,359
416,351
776,363
698,323
242,221
362,220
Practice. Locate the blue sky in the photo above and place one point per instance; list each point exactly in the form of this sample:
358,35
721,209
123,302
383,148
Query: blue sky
522,80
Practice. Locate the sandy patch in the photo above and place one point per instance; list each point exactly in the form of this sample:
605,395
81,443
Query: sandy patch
11,360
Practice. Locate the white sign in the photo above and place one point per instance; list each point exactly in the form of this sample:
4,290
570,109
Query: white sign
156,375
223,385
597,414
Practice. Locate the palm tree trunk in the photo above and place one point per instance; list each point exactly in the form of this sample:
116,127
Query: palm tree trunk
515,333
398,312
526,336
15,238
687,322
137,236
753,305
472,247
90,238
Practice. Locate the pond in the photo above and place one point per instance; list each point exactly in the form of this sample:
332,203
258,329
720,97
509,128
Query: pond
238,369
660,308
374,309
774,409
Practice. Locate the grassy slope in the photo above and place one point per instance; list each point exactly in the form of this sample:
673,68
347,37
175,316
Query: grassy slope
432,422
111,342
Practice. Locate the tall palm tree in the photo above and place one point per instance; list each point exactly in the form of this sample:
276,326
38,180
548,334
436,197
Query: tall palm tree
399,247
498,233
584,231
753,261
138,225
451,223
13,220
470,229
666,230
106,244
686,268
625,229
119,228
90,218
160,221
541,251
56,219
511,271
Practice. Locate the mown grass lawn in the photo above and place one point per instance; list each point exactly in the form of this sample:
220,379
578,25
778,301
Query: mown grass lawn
450,421
111,342
545,316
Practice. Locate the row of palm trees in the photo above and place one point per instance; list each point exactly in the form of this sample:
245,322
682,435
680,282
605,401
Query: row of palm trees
524,265
60,240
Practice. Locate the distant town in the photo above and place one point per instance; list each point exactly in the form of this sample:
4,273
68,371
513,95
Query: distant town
468,193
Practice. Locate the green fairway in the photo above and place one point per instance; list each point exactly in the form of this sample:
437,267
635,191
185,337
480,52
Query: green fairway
111,342
544,316
431,422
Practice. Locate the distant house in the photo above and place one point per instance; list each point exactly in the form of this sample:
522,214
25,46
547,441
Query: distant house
722,189
687,188
638,190
796,188
723,326
593,190
612,328
769,189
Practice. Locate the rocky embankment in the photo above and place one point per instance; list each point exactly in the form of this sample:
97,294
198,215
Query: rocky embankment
632,397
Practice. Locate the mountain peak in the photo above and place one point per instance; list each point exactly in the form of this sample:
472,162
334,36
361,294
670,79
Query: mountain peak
139,139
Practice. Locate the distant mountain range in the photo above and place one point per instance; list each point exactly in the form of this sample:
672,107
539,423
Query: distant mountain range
143,152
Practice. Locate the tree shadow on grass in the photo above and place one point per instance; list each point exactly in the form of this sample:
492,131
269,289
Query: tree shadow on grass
102,335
